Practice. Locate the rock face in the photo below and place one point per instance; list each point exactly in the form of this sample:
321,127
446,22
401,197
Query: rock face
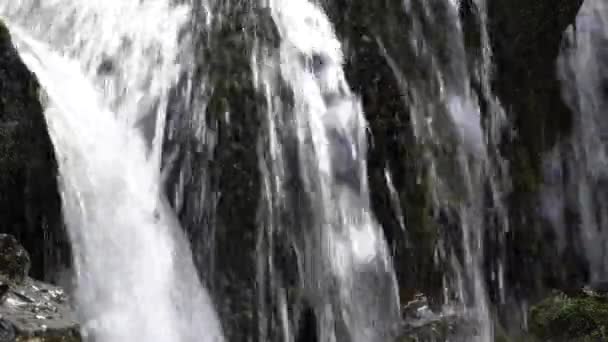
526,39
30,207
14,260
30,310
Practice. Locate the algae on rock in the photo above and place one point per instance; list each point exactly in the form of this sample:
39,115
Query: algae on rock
575,319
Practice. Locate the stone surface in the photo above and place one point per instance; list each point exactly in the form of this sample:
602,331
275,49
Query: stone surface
526,39
14,260
30,207
36,311
31,310
421,324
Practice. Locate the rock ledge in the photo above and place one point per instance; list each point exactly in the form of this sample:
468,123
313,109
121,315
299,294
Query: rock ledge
30,310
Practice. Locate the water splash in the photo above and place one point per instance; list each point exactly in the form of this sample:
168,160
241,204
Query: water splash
316,138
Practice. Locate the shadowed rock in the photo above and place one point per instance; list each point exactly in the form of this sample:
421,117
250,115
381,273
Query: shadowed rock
424,325
30,206
14,260
31,310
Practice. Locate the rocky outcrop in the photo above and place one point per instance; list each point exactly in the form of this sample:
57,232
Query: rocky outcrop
30,207
421,324
216,169
526,39
30,310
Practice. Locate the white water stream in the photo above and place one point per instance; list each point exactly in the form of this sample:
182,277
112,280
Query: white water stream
346,269
107,66
577,170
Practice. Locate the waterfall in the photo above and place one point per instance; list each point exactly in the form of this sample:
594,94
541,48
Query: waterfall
121,88
316,182
107,68
577,169
459,146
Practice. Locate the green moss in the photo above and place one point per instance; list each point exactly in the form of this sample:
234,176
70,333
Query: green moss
526,175
562,318
3,32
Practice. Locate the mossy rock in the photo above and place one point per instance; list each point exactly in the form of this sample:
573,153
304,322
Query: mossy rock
14,260
563,318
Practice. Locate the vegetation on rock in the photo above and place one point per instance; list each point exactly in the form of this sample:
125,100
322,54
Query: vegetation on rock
564,318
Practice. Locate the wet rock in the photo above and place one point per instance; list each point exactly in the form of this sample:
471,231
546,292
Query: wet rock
30,207
39,312
7,331
31,310
424,325
526,40
14,260
439,328
597,289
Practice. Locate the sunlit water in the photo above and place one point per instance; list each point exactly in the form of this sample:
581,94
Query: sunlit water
106,68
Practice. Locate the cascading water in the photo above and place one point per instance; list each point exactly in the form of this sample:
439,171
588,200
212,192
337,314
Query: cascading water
134,271
136,277
459,146
576,170
316,183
